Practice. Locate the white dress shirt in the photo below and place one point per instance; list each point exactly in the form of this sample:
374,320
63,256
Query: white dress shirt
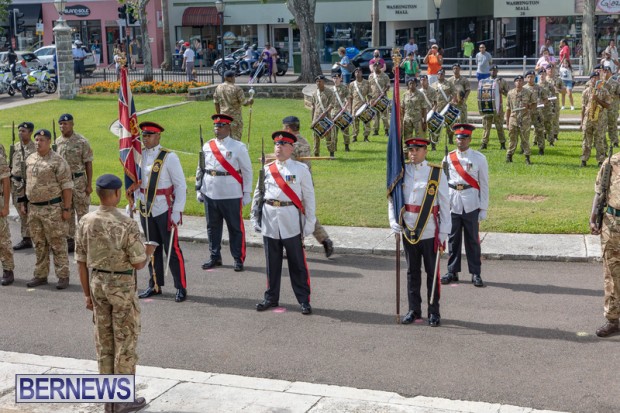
414,190
466,200
171,174
283,222
227,187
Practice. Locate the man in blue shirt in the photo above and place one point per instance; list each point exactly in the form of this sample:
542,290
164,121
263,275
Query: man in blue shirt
78,59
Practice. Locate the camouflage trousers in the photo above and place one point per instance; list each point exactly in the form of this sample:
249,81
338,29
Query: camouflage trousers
610,245
236,128
23,218
79,204
462,118
519,129
356,127
382,116
49,232
612,124
487,123
593,132
6,249
319,232
346,135
411,127
116,314
541,119
330,142
556,121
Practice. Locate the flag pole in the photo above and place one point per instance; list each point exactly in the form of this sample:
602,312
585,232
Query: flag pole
396,58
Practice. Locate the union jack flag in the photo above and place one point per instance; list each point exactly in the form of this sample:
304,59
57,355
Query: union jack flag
129,143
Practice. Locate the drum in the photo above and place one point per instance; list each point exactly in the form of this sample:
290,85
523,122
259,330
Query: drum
382,104
451,114
343,120
489,99
434,121
322,127
365,113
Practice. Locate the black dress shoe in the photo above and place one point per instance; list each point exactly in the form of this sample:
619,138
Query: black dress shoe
213,262
181,295
410,317
306,309
149,292
7,277
70,245
23,244
328,245
434,320
449,277
238,266
266,305
476,280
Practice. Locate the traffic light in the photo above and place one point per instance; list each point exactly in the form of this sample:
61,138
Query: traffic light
18,25
122,12
131,16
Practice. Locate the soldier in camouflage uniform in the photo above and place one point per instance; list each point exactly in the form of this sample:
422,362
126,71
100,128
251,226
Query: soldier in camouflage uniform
496,118
461,91
75,149
359,94
554,79
445,93
301,149
18,187
108,243
341,97
49,188
380,85
549,111
520,104
413,112
594,100
540,115
6,251
613,87
323,101
228,99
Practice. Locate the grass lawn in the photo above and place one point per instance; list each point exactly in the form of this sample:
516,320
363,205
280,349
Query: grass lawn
552,196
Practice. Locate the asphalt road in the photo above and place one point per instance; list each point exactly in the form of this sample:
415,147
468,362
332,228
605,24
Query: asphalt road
526,339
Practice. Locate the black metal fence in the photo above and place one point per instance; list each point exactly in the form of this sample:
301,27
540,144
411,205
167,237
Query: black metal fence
207,75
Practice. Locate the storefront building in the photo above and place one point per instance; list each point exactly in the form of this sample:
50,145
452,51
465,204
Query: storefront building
90,20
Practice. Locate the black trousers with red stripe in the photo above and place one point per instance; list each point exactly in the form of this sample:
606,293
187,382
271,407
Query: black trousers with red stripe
158,232
466,226
217,211
423,251
297,268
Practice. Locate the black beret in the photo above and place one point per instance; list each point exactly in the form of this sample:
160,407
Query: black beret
541,71
593,74
456,64
495,67
289,120
66,117
423,77
608,68
441,71
26,125
530,72
43,132
518,78
319,77
597,67
229,73
109,181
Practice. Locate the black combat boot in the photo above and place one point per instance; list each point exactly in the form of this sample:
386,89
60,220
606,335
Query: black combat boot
508,158
527,160
502,145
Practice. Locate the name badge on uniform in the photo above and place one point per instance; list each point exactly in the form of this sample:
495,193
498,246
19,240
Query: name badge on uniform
229,155
469,166
290,179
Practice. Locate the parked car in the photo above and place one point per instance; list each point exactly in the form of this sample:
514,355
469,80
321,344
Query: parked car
24,59
46,55
363,59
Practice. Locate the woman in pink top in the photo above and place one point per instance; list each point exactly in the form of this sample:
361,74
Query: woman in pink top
564,51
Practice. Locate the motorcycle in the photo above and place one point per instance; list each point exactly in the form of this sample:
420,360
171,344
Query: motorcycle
6,78
234,62
37,81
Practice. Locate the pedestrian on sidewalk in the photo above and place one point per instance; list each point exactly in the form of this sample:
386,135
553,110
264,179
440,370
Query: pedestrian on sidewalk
608,193
468,174
108,244
424,226
284,218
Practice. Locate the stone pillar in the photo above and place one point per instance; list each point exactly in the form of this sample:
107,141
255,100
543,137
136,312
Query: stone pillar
66,75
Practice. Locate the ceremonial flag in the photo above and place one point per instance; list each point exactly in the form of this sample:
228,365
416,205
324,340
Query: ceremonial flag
129,135
395,162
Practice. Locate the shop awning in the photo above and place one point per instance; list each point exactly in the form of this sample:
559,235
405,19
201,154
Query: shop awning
200,16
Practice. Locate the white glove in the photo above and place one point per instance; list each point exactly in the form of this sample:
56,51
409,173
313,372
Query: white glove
482,215
396,228
257,229
175,217
199,197
246,198
443,237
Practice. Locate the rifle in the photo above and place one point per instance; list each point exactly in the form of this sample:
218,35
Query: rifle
201,163
260,199
12,148
54,147
23,198
605,183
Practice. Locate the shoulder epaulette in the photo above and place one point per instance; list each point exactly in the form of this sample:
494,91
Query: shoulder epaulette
434,165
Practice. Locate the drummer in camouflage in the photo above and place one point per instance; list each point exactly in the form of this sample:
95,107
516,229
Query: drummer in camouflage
359,95
497,117
413,111
445,93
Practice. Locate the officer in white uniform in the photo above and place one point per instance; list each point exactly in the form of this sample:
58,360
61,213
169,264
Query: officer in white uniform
426,247
469,200
286,219
162,172
224,187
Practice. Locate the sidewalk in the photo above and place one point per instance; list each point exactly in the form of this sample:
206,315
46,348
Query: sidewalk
169,390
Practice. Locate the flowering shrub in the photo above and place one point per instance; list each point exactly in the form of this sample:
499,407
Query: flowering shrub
138,86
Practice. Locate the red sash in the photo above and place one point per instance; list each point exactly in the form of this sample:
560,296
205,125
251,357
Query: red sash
288,191
229,168
459,170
